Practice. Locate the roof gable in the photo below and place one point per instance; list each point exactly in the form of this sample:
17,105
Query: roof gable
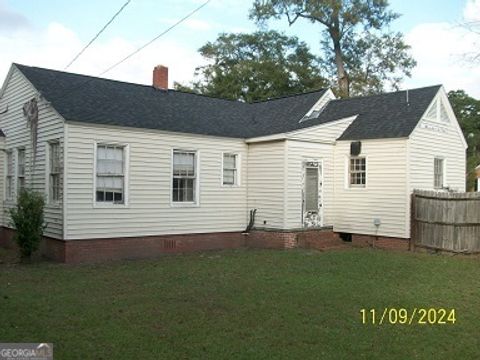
383,116
440,114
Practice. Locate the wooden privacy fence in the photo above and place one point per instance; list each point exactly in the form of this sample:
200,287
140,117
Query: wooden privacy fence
446,221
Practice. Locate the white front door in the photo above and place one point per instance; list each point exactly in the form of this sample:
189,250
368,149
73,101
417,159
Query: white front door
312,214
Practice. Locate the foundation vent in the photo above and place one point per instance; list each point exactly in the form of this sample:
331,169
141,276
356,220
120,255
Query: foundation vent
169,244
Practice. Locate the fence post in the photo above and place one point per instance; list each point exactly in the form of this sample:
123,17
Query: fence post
413,225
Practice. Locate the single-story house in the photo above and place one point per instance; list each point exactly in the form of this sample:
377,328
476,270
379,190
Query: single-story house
132,170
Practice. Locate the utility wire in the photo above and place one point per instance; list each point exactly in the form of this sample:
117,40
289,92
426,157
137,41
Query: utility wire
97,35
139,49
155,38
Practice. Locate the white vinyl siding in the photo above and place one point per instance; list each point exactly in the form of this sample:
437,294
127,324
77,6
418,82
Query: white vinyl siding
50,127
327,133
149,210
266,183
298,153
384,197
312,144
437,140
430,140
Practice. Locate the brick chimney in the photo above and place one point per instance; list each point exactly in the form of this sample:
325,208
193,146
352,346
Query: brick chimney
160,77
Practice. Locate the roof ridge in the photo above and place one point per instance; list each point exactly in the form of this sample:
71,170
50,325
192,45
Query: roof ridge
387,93
288,96
83,75
172,90
207,96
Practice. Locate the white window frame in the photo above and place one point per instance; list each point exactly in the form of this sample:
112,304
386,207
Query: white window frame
17,169
444,173
48,172
10,195
196,194
348,183
126,175
237,179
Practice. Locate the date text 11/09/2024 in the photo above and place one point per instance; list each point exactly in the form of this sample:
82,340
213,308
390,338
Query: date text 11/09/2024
402,316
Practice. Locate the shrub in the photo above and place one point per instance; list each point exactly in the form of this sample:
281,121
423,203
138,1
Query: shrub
27,219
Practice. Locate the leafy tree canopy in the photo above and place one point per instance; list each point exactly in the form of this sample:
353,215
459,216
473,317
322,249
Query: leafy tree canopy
256,66
467,111
361,56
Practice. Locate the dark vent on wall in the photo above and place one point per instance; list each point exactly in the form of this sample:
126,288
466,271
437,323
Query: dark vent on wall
169,244
355,148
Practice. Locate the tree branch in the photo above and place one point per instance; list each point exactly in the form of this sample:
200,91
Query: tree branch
316,18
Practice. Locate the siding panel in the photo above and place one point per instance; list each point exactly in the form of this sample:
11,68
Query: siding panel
298,152
436,139
266,183
308,146
50,127
149,211
384,196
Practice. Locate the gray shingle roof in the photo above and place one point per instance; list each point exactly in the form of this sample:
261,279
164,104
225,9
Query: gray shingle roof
102,101
382,116
109,102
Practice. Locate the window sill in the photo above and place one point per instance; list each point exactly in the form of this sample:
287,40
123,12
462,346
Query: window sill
353,187
230,186
184,205
97,205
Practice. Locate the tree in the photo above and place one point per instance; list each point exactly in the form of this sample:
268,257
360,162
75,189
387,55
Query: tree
467,111
256,66
359,51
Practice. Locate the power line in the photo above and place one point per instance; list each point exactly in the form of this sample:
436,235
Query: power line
140,48
97,35
155,38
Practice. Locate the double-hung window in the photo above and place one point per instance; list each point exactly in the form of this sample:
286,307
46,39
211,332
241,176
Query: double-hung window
9,177
184,176
358,172
438,166
20,169
110,174
55,171
230,169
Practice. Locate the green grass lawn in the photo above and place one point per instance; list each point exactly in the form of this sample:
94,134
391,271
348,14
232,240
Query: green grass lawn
243,304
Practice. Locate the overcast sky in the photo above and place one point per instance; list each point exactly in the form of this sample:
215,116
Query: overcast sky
49,33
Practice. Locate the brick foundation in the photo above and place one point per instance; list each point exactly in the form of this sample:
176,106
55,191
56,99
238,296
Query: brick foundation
307,239
381,242
262,239
50,248
319,240
98,250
